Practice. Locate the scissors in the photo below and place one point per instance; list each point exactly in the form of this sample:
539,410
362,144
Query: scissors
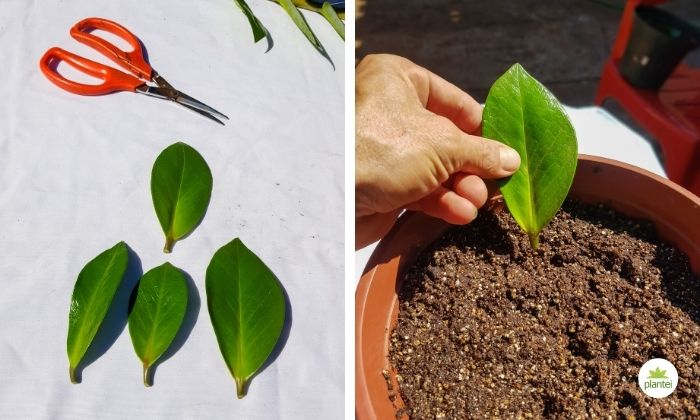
113,80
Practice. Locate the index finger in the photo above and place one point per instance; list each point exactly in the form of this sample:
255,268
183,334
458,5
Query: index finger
443,98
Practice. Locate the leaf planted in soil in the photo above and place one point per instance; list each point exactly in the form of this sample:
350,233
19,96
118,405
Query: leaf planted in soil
93,294
246,306
523,114
158,311
181,184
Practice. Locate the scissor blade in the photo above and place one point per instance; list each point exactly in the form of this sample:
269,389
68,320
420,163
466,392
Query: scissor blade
167,94
200,112
183,99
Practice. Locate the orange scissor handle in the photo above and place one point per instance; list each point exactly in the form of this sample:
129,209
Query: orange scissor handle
113,79
132,61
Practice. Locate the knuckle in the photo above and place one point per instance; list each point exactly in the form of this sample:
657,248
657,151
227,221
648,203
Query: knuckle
490,159
382,60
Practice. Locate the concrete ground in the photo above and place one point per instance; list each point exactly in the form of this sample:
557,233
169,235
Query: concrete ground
562,43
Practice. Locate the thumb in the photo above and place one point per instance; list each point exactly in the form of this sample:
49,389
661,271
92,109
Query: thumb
486,158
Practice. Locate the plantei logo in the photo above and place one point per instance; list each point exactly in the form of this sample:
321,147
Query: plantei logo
658,378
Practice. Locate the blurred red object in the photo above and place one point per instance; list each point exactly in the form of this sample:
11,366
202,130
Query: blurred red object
671,114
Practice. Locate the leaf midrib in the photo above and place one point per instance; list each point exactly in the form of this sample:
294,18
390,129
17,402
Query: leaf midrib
149,343
91,301
526,159
171,233
240,309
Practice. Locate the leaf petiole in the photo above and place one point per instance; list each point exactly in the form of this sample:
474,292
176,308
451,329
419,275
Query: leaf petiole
241,387
534,240
147,375
169,242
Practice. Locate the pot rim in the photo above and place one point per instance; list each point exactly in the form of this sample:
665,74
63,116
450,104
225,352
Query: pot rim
389,257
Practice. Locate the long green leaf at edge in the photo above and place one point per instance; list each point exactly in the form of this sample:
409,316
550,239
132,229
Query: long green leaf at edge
299,20
168,284
115,253
559,154
214,283
259,30
328,12
303,4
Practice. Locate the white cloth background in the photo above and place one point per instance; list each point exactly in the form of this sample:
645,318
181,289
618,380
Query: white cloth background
75,179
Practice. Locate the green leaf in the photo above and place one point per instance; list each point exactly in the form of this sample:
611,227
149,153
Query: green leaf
299,20
523,114
181,184
329,13
259,30
157,314
303,4
246,306
93,293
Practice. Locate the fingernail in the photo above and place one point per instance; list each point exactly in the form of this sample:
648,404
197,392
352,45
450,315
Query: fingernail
510,160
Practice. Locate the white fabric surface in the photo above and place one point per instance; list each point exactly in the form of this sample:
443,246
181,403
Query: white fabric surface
598,133
75,179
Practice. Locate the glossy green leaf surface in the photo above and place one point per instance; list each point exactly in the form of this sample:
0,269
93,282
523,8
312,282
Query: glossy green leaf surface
93,293
259,30
523,114
332,17
246,306
181,184
299,20
157,314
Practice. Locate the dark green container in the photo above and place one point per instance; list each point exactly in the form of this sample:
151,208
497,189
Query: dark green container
657,43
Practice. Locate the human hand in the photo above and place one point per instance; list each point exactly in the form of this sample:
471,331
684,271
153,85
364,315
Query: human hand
417,147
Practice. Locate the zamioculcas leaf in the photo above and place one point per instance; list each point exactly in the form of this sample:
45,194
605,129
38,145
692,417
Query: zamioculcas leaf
259,30
93,293
181,185
304,4
299,20
157,314
523,114
246,307
332,17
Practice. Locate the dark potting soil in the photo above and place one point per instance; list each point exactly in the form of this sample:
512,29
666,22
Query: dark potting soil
489,328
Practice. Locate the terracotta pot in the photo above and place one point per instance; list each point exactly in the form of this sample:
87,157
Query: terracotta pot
630,190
